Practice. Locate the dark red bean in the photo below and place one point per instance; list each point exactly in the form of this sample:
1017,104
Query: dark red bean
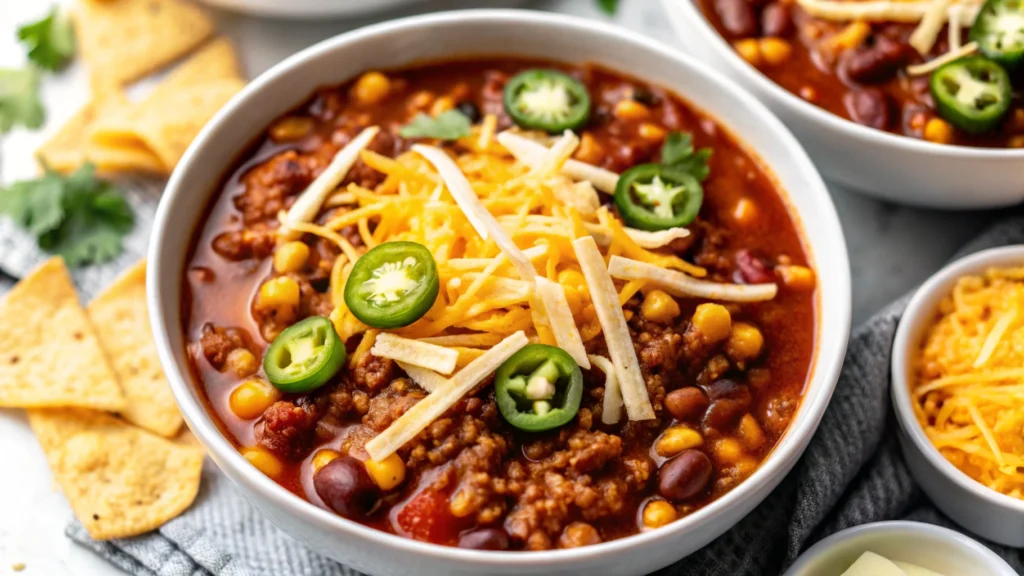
738,17
346,487
875,61
753,270
686,403
731,390
723,414
484,539
469,110
684,476
775,20
870,107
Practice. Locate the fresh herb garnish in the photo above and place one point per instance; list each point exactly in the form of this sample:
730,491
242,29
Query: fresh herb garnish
78,217
19,99
50,41
450,125
609,7
678,152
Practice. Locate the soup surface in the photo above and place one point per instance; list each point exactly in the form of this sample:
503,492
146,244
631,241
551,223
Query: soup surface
721,380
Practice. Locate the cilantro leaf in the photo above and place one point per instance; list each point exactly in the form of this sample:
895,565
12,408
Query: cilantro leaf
450,125
19,99
678,152
79,217
50,41
609,7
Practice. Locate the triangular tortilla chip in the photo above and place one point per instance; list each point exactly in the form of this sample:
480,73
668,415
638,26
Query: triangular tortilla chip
215,61
123,40
121,320
49,354
120,480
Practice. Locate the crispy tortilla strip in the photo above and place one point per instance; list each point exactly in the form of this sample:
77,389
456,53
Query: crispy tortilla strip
120,480
123,40
49,354
121,320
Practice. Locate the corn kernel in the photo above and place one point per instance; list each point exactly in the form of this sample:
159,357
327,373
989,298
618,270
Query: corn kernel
280,292
745,467
728,451
631,110
1016,142
775,51
291,128
939,131
751,433
796,277
749,50
263,461
676,439
388,473
745,211
658,513
808,93
442,105
745,342
1017,121
241,362
420,100
290,257
659,307
713,321
371,88
589,151
323,458
251,398
651,131
461,505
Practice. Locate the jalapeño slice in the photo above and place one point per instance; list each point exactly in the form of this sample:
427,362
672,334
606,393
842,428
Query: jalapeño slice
304,356
999,31
538,388
392,285
656,197
546,100
972,93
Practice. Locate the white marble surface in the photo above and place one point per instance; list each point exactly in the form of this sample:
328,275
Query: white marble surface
892,248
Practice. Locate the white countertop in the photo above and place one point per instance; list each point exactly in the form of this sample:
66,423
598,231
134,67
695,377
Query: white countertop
891,249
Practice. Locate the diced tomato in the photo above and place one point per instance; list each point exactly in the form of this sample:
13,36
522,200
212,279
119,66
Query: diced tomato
426,516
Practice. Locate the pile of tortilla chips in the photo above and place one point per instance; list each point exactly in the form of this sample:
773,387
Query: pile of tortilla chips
121,41
97,400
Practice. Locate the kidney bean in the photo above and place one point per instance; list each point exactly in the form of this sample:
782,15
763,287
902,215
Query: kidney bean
870,107
731,390
470,110
686,403
753,270
484,539
875,61
346,487
684,476
738,17
775,20
723,414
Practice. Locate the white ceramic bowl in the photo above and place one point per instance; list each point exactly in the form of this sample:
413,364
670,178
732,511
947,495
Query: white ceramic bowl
521,33
897,168
936,548
308,9
984,511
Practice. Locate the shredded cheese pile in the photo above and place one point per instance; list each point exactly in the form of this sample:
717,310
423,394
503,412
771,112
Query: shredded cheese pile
969,388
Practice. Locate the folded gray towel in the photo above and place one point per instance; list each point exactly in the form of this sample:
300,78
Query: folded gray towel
852,473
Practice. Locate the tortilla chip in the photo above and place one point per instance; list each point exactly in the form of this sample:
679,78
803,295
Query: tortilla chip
124,40
121,320
187,438
124,157
215,61
120,480
49,354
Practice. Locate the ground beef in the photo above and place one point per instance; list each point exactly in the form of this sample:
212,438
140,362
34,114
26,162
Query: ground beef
217,343
257,242
287,429
371,372
389,404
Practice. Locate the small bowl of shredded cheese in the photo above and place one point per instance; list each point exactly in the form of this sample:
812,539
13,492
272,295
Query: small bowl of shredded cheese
958,391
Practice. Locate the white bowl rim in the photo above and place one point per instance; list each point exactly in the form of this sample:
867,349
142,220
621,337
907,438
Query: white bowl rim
902,353
822,546
832,121
826,362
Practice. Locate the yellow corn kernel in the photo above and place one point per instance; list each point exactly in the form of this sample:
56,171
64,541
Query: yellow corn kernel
659,307
589,151
291,128
676,439
263,461
745,467
751,433
461,505
251,398
323,457
728,451
918,121
808,93
387,473
796,277
745,342
371,88
291,257
651,131
939,131
745,211
775,51
712,321
441,105
658,513
749,50
1016,142
241,362
279,292
631,110
420,100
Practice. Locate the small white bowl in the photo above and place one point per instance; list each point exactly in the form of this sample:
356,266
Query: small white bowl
892,167
990,514
933,547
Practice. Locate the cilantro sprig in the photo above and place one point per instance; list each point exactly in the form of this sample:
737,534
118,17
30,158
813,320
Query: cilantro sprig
19,99
609,7
678,152
79,217
449,125
50,41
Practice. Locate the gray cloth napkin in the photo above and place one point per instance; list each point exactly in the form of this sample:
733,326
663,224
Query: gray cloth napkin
852,473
